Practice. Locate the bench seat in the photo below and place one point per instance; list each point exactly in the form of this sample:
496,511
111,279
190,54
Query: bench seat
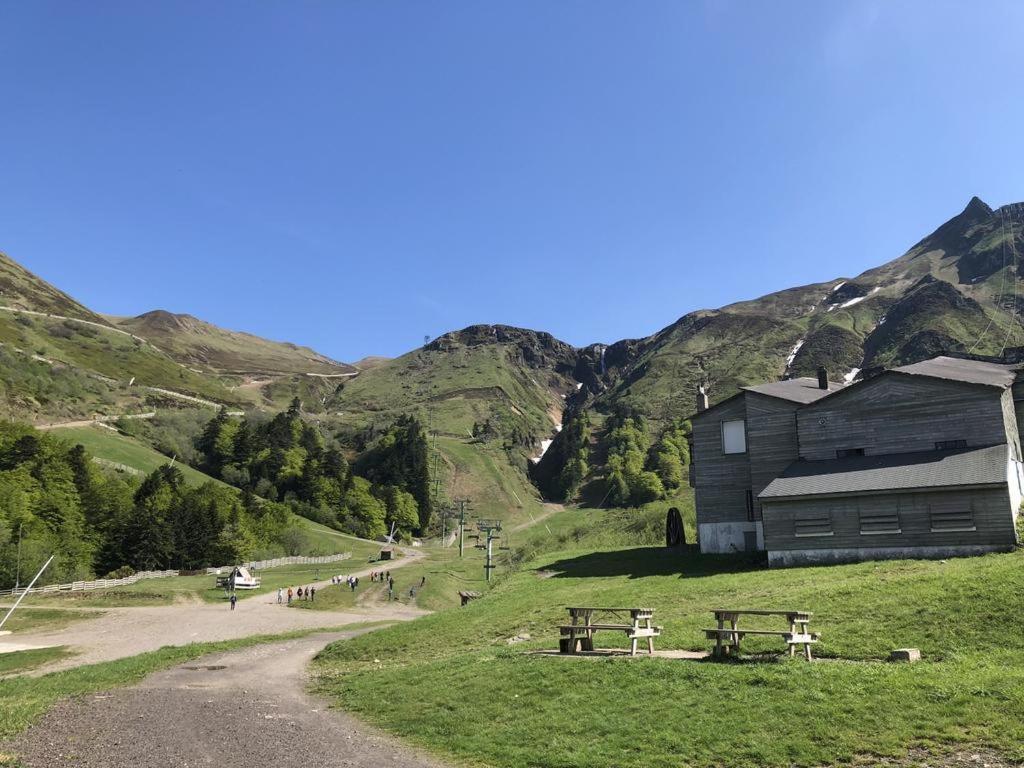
789,637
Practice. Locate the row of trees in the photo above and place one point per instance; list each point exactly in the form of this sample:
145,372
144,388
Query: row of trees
55,500
288,459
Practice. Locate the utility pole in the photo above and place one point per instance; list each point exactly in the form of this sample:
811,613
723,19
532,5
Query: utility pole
463,508
17,572
492,528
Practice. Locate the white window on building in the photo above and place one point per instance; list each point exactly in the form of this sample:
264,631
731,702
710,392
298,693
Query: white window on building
734,436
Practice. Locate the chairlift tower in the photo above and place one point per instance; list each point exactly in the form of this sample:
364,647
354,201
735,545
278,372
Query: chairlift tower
464,507
492,529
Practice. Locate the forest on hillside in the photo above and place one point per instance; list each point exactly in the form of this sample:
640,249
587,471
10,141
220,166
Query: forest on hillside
290,460
96,521
55,500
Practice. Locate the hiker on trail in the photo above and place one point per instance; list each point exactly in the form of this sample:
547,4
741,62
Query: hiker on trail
289,595
312,594
298,593
234,599
387,575
423,581
352,583
280,595
390,589
357,581
412,591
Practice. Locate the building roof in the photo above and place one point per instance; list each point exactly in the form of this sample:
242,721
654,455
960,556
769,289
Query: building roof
969,371
891,472
803,390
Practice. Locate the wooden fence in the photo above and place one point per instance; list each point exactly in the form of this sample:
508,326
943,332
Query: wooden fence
82,586
259,565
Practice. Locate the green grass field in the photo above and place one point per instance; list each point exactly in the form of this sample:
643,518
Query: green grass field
110,446
464,682
16,662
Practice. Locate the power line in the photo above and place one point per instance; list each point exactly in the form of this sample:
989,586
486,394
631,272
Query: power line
1013,248
1002,288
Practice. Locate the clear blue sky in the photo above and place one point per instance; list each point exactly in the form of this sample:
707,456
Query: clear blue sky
355,175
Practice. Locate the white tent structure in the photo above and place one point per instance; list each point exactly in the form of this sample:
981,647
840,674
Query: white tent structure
239,578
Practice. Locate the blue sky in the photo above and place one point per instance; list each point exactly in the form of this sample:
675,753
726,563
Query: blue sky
356,175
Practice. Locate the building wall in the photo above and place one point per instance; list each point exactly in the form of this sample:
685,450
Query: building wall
991,514
896,413
771,441
721,481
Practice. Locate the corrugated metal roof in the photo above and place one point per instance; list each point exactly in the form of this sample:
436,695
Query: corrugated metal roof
970,371
803,390
893,471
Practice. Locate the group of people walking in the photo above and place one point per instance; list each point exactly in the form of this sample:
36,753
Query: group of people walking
309,593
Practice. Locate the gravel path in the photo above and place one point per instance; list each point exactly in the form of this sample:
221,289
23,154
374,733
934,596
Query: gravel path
121,632
241,709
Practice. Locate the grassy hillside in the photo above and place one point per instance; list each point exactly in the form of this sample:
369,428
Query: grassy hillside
21,289
200,344
124,453
467,683
116,356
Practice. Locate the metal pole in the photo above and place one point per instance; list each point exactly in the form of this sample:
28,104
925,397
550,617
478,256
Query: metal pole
17,573
488,567
462,525
27,589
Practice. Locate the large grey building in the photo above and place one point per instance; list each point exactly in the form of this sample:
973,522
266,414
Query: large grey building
919,461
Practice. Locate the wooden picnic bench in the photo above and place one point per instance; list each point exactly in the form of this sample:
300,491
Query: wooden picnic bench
727,638
579,634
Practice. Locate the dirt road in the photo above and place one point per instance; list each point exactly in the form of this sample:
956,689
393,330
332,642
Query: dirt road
122,632
232,710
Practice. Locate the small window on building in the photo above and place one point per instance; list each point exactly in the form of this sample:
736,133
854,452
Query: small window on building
842,453
952,520
812,525
879,523
734,436
946,445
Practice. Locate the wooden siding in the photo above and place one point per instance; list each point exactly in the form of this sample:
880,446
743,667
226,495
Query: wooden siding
771,441
900,414
721,481
989,509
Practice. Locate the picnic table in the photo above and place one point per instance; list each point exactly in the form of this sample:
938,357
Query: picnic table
727,639
586,620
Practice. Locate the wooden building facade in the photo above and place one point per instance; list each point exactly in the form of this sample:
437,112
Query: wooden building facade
920,461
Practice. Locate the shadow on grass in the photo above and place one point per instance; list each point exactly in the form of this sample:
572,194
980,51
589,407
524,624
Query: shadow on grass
641,562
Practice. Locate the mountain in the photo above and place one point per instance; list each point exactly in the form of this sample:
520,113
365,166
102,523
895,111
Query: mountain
60,360
197,343
953,292
494,394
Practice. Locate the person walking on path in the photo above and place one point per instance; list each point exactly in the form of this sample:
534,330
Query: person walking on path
312,594
234,599
280,595
289,595
423,581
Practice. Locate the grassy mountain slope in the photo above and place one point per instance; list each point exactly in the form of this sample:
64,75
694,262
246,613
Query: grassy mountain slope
204,345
